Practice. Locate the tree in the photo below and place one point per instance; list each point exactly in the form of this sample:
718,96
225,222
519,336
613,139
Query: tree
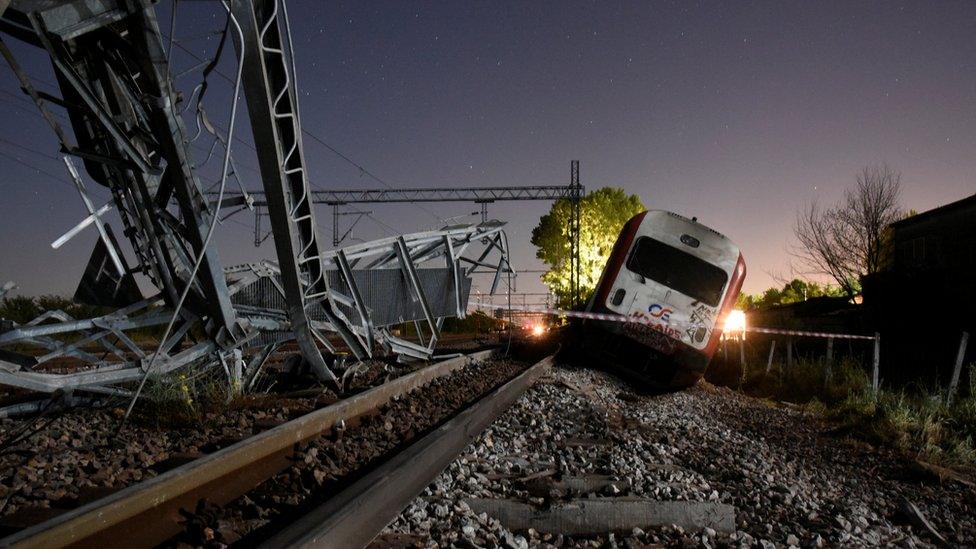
793,291
745,302
19,308
847,241
602,215
23,309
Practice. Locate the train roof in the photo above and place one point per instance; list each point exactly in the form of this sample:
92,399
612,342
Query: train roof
693,221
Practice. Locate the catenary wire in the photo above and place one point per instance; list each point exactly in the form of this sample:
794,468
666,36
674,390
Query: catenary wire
362,169
210,230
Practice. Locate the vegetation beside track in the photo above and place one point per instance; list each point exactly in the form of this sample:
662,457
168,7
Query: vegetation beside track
921,423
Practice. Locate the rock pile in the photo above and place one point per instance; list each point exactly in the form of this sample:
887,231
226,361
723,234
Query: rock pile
583,434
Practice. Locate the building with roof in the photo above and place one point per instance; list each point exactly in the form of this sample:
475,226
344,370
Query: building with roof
926,296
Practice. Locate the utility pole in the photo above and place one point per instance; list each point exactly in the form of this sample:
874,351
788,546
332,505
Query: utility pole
574,233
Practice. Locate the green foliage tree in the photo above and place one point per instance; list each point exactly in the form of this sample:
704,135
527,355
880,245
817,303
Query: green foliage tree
744,301
793,291
602,215
19,308
23,309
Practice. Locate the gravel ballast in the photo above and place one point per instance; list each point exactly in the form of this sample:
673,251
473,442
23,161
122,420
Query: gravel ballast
78,455
324,465
791,481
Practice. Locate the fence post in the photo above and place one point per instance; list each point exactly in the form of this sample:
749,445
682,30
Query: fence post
875,362
954,383
769,362
789,353
830,359
742,359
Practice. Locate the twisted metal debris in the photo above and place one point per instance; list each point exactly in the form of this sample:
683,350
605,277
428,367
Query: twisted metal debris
113,71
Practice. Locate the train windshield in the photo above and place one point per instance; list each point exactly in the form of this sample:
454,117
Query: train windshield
677,270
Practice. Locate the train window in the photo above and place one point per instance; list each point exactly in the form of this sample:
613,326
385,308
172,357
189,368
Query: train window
677,270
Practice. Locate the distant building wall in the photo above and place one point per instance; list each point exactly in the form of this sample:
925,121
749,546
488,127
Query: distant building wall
926,297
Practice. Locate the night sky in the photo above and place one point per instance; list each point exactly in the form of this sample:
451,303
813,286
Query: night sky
736,113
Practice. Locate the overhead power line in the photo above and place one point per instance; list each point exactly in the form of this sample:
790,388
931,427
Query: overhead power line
362,169
40,170
382,224
28,149
36,79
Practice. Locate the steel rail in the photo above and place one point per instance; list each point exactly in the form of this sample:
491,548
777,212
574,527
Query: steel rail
357,514
148,513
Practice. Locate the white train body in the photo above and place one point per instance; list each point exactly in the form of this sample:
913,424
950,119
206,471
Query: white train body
678,279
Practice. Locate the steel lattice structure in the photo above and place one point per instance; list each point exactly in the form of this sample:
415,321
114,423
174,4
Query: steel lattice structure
132,137
260,304
432,194
574,192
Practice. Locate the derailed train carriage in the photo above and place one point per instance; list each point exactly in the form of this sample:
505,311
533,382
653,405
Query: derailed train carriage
677,280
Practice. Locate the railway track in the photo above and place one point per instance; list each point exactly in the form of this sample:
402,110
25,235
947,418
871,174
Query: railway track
356,515
153,512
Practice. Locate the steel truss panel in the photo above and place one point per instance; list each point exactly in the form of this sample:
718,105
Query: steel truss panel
374,286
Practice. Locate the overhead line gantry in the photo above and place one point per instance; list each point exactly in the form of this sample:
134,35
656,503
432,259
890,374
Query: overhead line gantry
483,196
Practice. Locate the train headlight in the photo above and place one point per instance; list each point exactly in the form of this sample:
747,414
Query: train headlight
538,330
735,322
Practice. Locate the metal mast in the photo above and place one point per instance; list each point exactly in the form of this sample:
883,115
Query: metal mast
574,232
273,107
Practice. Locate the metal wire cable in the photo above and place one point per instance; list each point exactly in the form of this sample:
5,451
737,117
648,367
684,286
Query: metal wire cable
29,102
28,149
63,118
384,225
32,111
41,80
42,171
210,230
28,428
203,120
172,33
362,169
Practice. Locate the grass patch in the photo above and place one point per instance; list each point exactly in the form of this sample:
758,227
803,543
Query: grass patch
807,380
179,400
920,423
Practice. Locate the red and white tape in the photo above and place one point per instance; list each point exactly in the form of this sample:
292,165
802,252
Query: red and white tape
802,333
612,317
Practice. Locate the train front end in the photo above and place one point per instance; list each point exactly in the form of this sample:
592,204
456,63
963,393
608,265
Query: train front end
676,280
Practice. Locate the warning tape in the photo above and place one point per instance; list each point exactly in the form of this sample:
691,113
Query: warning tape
613,317
802,333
